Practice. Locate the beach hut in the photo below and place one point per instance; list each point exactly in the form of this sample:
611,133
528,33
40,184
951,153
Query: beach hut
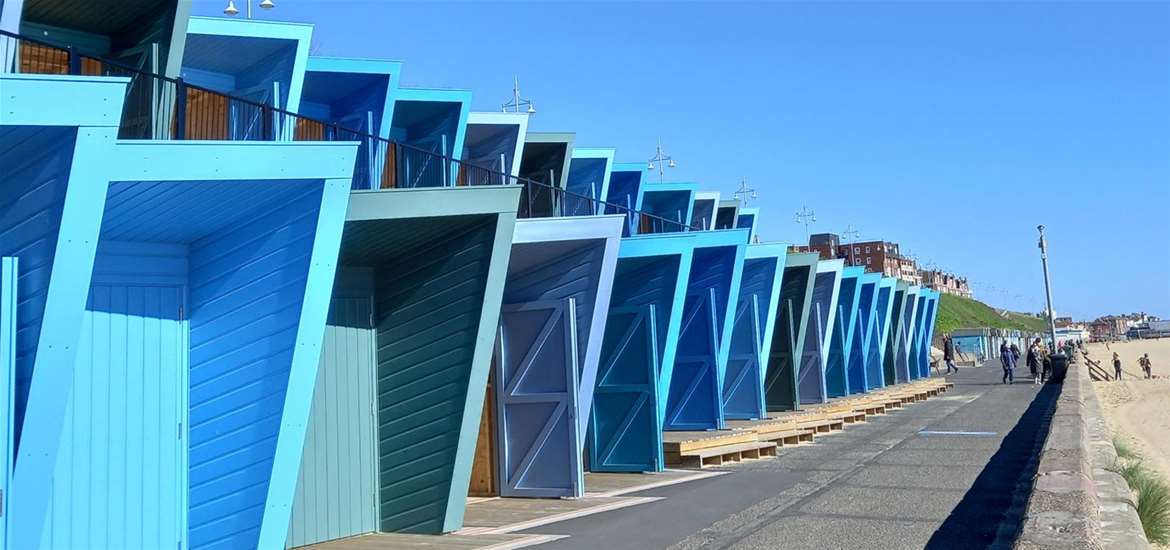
837,373
703,212
264,73
693,383
412,325
727,214
556,300
883,313
202,306
926,332
822,314
894,338
546,159
641,335
752,332
859,367
588,181
495,141
781,391
668,206
906,370
625,184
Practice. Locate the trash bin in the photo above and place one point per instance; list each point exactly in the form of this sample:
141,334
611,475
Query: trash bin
1059,367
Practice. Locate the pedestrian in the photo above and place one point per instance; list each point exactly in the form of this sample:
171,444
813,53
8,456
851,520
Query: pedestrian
1009,363
1146,366
1015,353
1033,361
949,354
1116,366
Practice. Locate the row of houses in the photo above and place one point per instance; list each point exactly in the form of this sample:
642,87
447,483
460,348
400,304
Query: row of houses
885,257
266,299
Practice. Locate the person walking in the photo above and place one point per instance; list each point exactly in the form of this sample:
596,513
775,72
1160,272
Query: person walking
1009,363
1033,361
1146,366
949,354
1116,366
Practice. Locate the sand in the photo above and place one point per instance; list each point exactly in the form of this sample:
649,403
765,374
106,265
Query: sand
1137,410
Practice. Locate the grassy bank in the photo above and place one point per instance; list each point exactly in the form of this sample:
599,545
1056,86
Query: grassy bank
958,312
1153,494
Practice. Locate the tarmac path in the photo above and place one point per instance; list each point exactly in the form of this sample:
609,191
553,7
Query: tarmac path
951,472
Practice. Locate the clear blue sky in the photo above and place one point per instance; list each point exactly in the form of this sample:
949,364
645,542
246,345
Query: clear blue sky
951,128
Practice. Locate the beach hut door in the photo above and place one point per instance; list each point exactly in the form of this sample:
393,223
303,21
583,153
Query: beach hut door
623,426
536,374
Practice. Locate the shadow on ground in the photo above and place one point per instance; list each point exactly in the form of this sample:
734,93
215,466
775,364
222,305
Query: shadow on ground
991,511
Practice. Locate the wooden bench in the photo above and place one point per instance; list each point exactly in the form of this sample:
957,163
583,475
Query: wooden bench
716,456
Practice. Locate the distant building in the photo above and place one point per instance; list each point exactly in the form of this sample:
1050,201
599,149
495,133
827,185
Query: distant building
949,283
1108,327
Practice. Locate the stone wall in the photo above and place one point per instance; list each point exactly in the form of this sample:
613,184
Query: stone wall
1077,502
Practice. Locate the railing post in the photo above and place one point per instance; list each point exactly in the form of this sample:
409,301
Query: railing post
528,194
265,122
331,132
74,61
180,109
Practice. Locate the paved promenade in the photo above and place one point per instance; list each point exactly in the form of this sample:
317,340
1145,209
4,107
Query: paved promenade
952,472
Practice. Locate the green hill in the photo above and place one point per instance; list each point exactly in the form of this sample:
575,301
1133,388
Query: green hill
958,312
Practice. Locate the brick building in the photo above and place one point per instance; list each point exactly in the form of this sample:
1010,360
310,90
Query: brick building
949,283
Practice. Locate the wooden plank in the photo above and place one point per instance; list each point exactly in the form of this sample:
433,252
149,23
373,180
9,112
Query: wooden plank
678,442
483,469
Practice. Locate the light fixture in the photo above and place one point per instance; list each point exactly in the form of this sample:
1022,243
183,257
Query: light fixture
517,102
664,161
231,8
267,4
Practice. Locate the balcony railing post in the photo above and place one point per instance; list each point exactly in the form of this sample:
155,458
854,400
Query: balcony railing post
180,109
265,122
74,61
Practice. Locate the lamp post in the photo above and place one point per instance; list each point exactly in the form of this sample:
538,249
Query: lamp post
231,7
664,161
851,233
517,102
745,193
1043,244
805,216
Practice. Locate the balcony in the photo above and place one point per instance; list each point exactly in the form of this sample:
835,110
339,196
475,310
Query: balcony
158,107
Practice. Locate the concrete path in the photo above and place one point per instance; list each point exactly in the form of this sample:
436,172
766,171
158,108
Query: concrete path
952,472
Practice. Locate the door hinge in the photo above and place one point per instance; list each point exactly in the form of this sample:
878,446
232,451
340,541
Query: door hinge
181,313
180,434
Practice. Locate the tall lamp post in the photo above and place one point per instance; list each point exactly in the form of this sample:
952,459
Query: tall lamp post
851,233
805,216
1047,287
517,102
231,7
662,159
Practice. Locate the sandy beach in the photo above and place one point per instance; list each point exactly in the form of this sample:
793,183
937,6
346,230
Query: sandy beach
1137,409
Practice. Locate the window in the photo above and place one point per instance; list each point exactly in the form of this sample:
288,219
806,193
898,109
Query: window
857,250
867,259
867,250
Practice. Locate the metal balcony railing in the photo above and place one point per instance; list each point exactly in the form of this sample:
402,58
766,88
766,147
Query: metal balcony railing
165,108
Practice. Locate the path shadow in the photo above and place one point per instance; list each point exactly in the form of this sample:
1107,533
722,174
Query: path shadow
993,507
